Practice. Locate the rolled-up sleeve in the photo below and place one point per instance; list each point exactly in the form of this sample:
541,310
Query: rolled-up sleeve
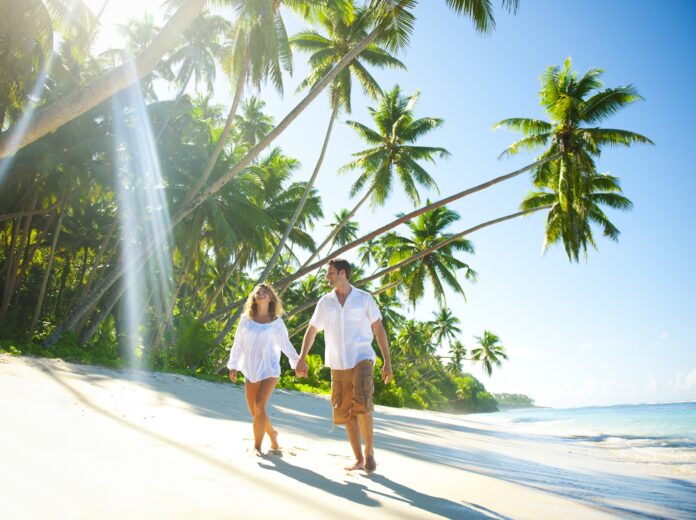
285,346
317,320
373,312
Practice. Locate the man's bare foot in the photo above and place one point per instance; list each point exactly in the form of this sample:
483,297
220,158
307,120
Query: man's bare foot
370,463
358,465
274,440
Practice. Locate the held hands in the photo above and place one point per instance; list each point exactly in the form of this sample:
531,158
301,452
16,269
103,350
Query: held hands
233,376
387,372
302,369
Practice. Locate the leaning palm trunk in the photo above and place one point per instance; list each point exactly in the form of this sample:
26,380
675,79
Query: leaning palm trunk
56,114
220,287
300,206
285,282
164,320
11,279
334,233
418,256
100,254
411,216
221,140
74,317
47,274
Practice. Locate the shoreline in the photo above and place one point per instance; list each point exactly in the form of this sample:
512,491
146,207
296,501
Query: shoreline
98,442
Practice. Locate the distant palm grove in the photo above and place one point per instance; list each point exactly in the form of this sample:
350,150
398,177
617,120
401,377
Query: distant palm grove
132,227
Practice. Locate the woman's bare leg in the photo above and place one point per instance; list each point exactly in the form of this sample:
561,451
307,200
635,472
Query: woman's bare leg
251,390
262,423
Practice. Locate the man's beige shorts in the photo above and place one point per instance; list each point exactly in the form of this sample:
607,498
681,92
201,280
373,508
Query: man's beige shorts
352,391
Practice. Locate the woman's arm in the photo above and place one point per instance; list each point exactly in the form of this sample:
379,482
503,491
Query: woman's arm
285,345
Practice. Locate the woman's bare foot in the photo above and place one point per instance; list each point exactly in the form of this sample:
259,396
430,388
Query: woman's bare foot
258,452
370,463
358,465
274,440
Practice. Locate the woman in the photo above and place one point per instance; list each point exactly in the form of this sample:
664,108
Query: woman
260,337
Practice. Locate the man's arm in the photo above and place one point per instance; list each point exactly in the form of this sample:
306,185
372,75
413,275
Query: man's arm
302,370
383,342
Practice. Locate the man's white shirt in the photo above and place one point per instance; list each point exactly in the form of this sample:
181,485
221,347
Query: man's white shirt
347,329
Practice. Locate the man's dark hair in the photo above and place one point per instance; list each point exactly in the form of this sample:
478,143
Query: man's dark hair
341,265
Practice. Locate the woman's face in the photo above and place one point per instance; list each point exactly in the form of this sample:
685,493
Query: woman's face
262,294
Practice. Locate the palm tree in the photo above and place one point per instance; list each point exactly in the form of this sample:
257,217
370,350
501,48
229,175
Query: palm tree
258,50
253,124
445,326
348,232
438,266
574,105
345,27
458,354
393,27
195,58
598,189
488,353
102,88
394,23
393,153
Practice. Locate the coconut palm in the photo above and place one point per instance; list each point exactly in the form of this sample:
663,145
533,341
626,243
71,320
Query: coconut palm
458,354
489,353
252,124
348,232
598,190
345,27
393,153
445,326
394,23
195,58
439,266
574,106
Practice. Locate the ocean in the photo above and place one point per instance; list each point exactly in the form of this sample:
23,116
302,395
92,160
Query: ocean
658,441
662,425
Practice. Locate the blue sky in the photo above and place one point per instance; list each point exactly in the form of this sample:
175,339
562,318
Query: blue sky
618,328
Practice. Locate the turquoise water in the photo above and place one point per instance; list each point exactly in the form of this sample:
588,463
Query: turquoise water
658,425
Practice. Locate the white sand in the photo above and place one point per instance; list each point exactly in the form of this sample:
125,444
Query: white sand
86,442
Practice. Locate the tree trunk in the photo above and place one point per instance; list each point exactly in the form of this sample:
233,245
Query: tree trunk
71,321
285,282
63,281
11,279
335,231
164,320
221,140
47,274
300,206
10,259
221,287
56,114
277,130
410,216
98,257
420,255
30,252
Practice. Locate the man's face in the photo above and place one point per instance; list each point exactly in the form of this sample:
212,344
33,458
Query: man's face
332,276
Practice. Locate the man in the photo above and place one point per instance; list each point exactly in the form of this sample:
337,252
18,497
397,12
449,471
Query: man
349,317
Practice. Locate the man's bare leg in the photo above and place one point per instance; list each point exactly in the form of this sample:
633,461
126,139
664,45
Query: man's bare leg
353,431
365,422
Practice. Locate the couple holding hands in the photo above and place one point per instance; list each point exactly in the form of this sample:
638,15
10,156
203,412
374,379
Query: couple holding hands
349,318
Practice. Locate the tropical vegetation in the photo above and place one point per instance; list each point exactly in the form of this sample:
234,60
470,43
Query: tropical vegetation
134,222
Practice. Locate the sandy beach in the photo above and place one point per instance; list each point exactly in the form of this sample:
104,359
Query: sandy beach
88,442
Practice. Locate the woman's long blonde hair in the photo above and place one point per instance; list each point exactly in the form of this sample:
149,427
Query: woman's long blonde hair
275,306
